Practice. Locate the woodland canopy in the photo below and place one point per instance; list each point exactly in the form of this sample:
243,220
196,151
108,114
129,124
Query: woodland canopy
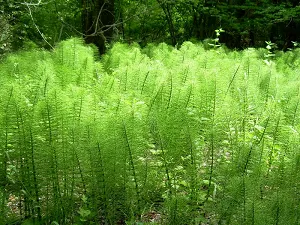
247,23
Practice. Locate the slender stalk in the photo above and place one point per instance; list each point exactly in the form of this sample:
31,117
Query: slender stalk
5,157
212,143
193,176
131,163
155,97
296,108
168,181
270,160
144,82
22,155
170,93
251,148
35,182
103,181
126,79
232,79
78,163
189,96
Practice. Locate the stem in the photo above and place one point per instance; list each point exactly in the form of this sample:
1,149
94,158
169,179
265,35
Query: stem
103,178
143,85
212,143
273,144
131,162
231,81
37,199
170,93
153,99
5,159
189,97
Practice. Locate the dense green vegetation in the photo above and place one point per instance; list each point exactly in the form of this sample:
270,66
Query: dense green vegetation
247,23
157,135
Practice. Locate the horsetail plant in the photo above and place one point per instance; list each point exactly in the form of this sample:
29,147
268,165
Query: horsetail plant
157,135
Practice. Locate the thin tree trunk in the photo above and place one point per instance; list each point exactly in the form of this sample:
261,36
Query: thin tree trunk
97,22
168,14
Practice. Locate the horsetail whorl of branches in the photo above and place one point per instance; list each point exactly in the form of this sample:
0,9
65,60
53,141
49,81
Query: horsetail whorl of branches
158,135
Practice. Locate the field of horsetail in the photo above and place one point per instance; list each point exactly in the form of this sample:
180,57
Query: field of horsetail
153,135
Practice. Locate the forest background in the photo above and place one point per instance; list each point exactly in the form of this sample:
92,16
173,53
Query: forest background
247,23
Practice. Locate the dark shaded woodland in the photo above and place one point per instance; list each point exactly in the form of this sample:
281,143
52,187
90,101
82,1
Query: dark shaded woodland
247,23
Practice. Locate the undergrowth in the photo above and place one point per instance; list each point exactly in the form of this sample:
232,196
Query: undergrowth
149,136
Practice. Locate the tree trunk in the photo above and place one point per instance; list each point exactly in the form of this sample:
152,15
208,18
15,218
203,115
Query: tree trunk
169,18
97,22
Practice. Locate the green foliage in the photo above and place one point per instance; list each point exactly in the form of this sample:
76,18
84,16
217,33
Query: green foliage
248,23
44,23
5,37
159,135
216,43
270,48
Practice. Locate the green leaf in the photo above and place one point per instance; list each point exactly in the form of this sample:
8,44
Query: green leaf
54,223
84,212
84,198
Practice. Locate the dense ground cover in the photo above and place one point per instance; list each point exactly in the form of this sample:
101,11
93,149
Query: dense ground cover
149,136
